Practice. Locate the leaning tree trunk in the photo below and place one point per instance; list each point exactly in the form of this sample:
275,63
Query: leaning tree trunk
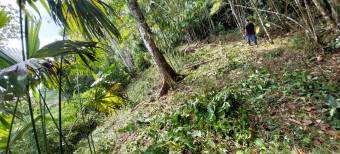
335,4
168,74
307,19
128,62
326,14
237,19
125,55
262,24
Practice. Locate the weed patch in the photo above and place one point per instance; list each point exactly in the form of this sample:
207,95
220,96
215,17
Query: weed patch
202,124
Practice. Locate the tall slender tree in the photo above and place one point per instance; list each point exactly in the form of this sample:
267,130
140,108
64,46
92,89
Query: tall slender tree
262,23
168,74
326,14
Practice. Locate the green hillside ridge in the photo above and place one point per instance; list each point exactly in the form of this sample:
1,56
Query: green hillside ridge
169,76
234,98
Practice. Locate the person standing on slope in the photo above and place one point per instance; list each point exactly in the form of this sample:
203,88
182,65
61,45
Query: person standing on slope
250,32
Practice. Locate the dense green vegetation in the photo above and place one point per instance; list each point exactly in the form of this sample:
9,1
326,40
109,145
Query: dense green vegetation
171,76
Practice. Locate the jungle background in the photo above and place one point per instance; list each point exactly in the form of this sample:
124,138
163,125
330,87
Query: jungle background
170,76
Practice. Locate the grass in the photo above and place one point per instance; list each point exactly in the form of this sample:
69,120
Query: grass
235,98
142,86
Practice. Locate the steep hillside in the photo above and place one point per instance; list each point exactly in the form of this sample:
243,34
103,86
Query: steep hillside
235,98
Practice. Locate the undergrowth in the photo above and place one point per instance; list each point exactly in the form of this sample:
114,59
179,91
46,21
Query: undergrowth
220,122
267,99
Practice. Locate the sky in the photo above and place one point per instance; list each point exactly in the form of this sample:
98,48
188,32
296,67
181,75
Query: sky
49,31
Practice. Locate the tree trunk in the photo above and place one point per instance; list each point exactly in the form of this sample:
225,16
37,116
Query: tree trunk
325,13
311,21
261,21
284,24
126,57
237,19
334,5
168,74
128,61
272,12
307,19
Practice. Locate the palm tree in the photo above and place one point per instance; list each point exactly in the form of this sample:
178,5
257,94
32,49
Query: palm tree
88,18
169,76
35,66
16,73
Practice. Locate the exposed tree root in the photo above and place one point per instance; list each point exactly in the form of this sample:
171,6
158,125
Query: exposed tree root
167,84
164,89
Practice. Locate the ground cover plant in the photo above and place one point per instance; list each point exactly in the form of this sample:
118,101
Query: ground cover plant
169,76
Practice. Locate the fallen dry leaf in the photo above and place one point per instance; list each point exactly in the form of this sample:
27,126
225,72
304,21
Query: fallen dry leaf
307,122
312,108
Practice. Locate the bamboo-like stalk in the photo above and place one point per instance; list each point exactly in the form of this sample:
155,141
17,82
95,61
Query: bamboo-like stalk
261,21
32,119
50,113
326,15
21,31
59,107
43,124
237,19
272,12
24,58
81,107
28,90
92,141
88,137
241,13
303,15
311,21
11,126
60,94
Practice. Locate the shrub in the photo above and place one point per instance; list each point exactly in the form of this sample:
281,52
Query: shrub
142,61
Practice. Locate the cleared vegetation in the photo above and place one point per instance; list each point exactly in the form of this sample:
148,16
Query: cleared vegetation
170,76
274,98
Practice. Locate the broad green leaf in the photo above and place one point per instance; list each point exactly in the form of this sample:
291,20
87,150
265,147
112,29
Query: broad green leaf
4,18
331,101
3,145
8,57
5,121
61,47
44,4
14,78
33,37
260,143
33,6
218,4
239,152
3,133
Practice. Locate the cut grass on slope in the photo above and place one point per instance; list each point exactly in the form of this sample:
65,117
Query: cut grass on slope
235,98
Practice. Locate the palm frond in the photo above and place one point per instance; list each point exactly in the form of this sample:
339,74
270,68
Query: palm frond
18,134
33,37
9,57
39,68
88,17
15,77
65,46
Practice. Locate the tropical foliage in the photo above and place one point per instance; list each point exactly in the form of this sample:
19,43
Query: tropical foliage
170,76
